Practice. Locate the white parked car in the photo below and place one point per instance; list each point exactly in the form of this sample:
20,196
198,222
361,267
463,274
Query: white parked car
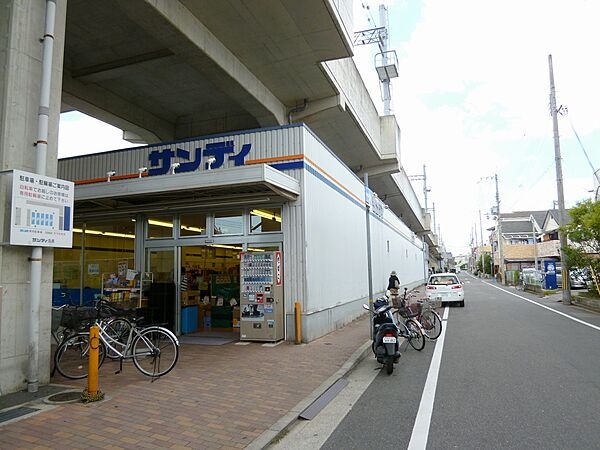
445,287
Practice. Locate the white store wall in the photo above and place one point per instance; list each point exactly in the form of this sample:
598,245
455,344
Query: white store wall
336,244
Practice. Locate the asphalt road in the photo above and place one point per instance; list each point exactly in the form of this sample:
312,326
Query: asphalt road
512,374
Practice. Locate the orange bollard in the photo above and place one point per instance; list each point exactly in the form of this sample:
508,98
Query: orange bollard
298,322
92,387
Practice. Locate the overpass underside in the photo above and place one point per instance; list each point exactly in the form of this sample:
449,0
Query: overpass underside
168,70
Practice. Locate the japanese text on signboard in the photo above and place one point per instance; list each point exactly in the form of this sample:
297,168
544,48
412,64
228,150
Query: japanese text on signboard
161,160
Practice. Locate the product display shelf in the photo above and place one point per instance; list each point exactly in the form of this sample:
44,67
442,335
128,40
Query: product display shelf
128,292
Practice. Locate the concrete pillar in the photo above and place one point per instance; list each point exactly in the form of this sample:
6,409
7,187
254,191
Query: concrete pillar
21,31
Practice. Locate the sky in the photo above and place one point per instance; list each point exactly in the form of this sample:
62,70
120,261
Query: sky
472,101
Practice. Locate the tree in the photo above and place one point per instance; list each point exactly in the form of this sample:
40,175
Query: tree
583,234
486,263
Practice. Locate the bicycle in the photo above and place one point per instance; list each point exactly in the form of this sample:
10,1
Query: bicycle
69,319
147,347
426,315
410,329
60,326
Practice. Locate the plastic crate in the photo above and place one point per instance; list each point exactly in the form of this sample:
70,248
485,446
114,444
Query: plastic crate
189,319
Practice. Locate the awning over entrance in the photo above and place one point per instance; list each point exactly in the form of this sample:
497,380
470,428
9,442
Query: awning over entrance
222,187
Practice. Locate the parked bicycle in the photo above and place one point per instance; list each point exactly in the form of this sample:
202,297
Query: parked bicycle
61,327
410,329
426,315
69,319
154,350
408,324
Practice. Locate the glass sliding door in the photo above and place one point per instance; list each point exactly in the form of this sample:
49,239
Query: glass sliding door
210,299
162,296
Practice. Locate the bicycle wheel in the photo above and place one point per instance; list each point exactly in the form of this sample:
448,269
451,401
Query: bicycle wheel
154,352
416,339
72,356
432,324
117,334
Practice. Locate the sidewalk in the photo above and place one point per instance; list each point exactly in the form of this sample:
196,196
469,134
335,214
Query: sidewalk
217,397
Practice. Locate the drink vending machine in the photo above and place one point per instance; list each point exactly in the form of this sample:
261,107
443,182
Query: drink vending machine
261,297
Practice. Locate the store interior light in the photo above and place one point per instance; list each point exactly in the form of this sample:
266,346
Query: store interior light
105,233
265,214
196,229
233,247
123,235
160,224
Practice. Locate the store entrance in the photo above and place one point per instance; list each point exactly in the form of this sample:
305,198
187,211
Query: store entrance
210,290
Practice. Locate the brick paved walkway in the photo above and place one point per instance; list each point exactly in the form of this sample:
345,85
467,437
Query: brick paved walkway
217,397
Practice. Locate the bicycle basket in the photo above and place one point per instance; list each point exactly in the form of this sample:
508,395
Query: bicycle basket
56,319
77,318
412,310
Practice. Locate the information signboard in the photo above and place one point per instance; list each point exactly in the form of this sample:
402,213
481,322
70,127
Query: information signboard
41,211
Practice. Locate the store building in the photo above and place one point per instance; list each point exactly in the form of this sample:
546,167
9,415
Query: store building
189,208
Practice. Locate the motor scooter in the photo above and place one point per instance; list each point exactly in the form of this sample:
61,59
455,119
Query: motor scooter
386,346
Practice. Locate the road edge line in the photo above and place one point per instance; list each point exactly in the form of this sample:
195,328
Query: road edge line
545,307
420,432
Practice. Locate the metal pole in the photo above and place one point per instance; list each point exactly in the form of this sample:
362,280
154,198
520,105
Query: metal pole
481,235
40,168
387,98
425,185
370,274
500,253
534,243
566,294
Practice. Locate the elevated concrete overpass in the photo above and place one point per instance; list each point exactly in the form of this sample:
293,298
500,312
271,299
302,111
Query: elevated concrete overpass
167,70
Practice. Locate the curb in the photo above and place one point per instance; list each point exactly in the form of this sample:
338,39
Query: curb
279,428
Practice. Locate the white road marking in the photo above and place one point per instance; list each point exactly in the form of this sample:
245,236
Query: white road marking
545,307
446,312
420,433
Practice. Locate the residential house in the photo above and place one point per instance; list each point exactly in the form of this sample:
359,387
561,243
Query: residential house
527,237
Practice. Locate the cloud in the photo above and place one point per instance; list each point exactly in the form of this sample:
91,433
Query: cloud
472,99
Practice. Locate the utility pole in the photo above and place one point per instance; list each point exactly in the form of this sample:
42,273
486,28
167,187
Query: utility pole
534,242
500,253
481,234
425,189
424,179
434,226
566,288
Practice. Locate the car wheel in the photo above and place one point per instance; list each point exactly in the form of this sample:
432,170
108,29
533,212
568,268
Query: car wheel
461,304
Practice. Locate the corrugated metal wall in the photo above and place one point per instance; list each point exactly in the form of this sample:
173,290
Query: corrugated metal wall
268,143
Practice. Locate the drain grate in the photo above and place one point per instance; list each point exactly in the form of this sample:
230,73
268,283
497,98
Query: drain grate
315,407
16,412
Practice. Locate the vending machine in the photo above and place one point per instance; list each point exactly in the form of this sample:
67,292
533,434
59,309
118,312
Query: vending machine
261,297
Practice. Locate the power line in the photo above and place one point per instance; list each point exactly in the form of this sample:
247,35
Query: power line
584,152
370,18
532,185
